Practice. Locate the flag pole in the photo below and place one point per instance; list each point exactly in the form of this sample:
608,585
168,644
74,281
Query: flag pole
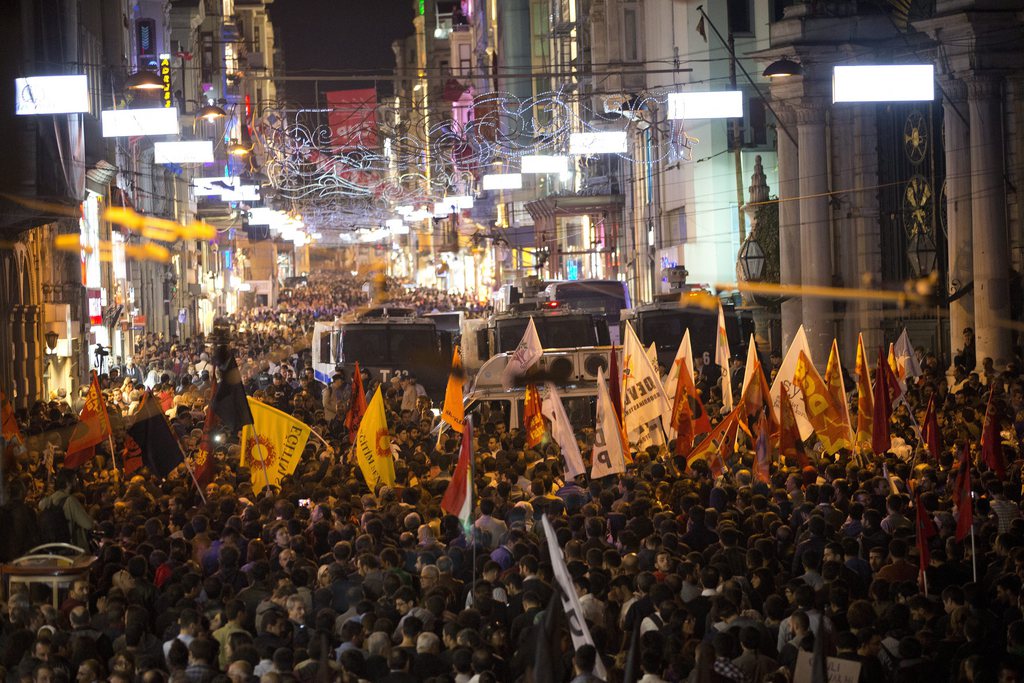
113,458
194,480
974,557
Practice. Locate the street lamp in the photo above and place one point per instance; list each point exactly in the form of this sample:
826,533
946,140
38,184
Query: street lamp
237,149
781,68
144,80
211,112
922,254
752,259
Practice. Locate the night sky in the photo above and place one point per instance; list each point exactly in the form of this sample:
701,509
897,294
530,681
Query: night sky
338,35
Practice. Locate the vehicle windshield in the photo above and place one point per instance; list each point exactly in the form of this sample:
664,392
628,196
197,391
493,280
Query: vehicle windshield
598,297
666,328
382,345
557,332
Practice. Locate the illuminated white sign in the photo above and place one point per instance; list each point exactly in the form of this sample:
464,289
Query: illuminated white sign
541,163
214,186
183,152
887,83
503,181
119,123
51,95
244,193
705,105
397,226
613,142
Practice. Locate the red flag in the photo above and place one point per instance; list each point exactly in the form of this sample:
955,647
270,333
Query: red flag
762,458
533,420
202,463
885,390
790,444
930,430
93,428
688,415
962,496
615,383
458,497
991,446
357,406
925,530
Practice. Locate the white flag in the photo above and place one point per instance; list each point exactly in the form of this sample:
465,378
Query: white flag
748,372
570,601
722,355
643,397
906,362
652,355
525,355
796,395
562,433
607,456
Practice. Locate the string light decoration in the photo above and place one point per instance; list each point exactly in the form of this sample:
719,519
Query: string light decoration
418,160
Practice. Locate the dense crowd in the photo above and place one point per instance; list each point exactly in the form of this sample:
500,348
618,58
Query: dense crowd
681,576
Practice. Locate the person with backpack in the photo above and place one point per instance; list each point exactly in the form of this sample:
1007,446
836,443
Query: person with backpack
62,519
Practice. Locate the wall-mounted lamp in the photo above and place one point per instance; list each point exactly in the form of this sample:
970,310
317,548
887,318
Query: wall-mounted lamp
782,68
144,80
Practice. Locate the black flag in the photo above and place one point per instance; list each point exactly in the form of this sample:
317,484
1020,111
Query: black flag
229,402
152,435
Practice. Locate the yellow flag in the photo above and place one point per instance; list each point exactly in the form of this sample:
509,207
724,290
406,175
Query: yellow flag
272,445
865,398
837,387
373,446
452,413
821,410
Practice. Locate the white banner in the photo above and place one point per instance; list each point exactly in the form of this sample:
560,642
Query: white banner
607,456
570,601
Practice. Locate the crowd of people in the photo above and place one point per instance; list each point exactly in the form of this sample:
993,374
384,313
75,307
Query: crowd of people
681,576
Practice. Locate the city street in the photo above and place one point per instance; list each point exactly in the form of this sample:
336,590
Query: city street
472,341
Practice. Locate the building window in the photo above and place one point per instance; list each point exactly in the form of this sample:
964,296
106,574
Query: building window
740,16
630,39
757,122
778,8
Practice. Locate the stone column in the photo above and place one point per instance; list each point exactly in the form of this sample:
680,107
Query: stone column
815,231
960,241
789,223
33,355
866,227
988,217
17,316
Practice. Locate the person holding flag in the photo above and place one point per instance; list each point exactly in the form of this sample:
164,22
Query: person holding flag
458,497
272,445
373,446
93,428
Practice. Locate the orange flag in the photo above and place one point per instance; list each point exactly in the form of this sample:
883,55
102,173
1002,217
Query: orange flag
533,420
688,415
865,397
837,388
790,444
453,412
710,449
93,428
822,412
